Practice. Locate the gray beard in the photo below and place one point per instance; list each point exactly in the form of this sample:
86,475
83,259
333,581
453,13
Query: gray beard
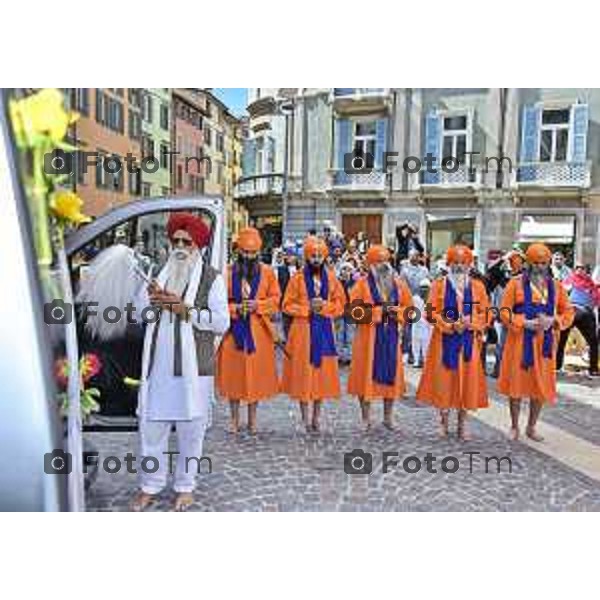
384,282
180,270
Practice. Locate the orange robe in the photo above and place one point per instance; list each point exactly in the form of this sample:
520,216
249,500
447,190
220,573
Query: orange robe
301,380
465,387
244,376
539,381
360,380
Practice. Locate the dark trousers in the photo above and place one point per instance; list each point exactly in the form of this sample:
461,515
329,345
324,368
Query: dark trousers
585,321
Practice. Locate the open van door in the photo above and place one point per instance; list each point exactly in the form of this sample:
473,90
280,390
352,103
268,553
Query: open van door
32,429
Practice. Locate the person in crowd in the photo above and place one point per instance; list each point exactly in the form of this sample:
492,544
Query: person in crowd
314,298
246,369
407,239
344,328
421,328
453,376
535,308
584,295
412,272
560,270
362,243
378,305
284,273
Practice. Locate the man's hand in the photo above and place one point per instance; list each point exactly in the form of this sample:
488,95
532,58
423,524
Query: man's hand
154,289
171,302
546,322
468,322
316,305
249,306
532,324
460,325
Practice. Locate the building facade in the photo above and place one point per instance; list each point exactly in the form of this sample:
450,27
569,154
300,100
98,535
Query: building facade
156,141
527,165
109,125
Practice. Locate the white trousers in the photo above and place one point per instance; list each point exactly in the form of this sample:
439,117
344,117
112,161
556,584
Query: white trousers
154,442
419,345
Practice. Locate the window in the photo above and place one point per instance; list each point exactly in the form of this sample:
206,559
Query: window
365,140
165,191
148,108
146,189
164,156
164,116
79,100
135,183
455,136
179,176
135,125
207,136
219,142
134,97
554,137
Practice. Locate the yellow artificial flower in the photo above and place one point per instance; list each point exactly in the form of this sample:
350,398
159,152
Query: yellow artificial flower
67,205
39,116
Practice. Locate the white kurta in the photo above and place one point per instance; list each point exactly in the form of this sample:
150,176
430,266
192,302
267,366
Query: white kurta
167,398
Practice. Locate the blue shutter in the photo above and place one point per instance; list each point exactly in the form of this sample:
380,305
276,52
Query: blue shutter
344,140
579,131
530,141
249,158
433,125
380,145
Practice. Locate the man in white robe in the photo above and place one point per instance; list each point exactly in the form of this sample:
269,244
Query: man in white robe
178,364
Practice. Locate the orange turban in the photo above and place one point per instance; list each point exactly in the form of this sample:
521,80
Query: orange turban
249,240
515,260
314,244
377,254
538,253
459,253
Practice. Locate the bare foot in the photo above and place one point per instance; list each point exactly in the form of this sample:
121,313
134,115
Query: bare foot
463,434
141,501
316,427
532,434
514,434
234,428
183,501
389,424
252,429
443,426
366,426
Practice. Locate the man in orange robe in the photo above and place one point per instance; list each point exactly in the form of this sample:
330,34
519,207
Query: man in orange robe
246,369
535,309
313,298
378,305
453,377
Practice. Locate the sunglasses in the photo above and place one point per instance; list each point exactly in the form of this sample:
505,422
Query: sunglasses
180,241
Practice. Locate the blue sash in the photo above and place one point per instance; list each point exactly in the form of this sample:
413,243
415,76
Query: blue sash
531,310
385,358
240,325
321,330
453,343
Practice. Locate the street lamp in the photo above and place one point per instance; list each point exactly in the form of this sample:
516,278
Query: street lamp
285,108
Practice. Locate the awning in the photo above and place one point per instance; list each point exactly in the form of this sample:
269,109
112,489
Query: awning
551,229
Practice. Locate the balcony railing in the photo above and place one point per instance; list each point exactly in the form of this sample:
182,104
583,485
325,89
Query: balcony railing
259,185
358,92
375,180
554,174
463,177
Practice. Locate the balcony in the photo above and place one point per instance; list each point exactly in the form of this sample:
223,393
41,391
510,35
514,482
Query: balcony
554,174
259,185
357,101
373,181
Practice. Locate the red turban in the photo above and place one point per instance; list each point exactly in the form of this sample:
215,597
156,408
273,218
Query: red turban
538,253
459,253
249,240
194,226
377,254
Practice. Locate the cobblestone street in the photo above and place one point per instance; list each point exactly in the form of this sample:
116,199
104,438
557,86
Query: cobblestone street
285,469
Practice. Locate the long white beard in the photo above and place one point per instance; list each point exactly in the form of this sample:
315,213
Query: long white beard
179,269
110,281
384,280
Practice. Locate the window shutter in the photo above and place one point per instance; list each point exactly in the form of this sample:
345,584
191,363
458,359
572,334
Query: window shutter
381,139
270,155
249,158
578,133
530,134
343,140
433,126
